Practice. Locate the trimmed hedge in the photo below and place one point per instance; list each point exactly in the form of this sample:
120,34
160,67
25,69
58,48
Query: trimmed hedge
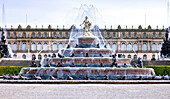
160,70
10,70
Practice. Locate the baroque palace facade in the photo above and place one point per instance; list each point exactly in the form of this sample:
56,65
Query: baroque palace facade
44,42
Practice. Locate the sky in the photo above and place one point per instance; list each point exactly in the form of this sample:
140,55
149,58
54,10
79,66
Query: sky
62,12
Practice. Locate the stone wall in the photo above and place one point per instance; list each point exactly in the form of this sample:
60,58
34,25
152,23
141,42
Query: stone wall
154,63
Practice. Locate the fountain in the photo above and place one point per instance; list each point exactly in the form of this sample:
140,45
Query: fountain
86,58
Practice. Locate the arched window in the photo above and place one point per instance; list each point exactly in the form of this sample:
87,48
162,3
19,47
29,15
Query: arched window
129,35
135,35
45,56
144,46
153,47
123,47
135,47
60,35
45,35
153,35
33,47
144,35
15,35
135,57
54,35
123,35
39,57
129,47
114,46
144,57
102,34
14,56
33,35
54,47
24,47
129,56
33,56
9,45
123,56
45,47
54,55
66,44
8,35
160,35
108,35
66,35
60,46
114,34
159,47
39,47
39,35
24,35
108,45
24,56
15,46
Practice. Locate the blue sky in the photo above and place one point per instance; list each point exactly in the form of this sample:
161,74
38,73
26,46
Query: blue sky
61,12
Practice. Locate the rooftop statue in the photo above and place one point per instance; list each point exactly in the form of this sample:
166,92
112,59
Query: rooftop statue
86,28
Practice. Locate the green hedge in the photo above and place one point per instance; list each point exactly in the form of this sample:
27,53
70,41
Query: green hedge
160,70
10,70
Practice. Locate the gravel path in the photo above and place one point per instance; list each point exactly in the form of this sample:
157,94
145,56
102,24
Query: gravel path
85,91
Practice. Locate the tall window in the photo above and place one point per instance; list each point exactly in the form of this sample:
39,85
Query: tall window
108,35
33,47
45,47
45,35
24,35
39,57
102,34
129,47
15,35
160,35
24,56
144,46
153,47
159,47
129,35
114,34
114,46
33,35
60,46
45,56
144,35
33,56
129,56
39,47
123,47
123,35
39,35
8,35
135,35
15,46
24,47
9,45
54,47
135,47
108,45
135,57
60,35
54,35
144,57
153,35
66,35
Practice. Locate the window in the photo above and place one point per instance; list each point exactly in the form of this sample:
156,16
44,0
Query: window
8,35
123,56
24,47
135,35
39,57
24,56
135,47
102,34
33,35
123,47
9,45
33,56
66,44
39,35
160,35
108,35
54,47
66,35
123,35
144,57
45,35
114,46
54,55
24,35
144,46
33,47
129,35
14,56
153,35
39,47
45,56
45,47
129,56
108,45
55,35
15,46
153,47
153,56
60,46
60,35
15,35
129,47
144,35
135,57
114,34
159,47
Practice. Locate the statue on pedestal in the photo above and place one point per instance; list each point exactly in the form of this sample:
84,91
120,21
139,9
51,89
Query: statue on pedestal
86,28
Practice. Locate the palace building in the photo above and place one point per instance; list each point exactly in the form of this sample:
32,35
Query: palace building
44,42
